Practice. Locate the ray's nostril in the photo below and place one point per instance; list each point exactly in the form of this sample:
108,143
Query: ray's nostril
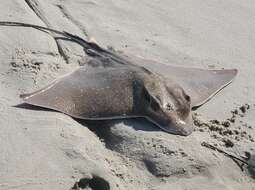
169,107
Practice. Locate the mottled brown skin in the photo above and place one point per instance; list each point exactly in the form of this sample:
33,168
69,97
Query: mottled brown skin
104,90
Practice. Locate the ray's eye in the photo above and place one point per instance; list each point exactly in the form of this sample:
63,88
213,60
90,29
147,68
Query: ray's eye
147,96
187,97
154,105
152,102
158,98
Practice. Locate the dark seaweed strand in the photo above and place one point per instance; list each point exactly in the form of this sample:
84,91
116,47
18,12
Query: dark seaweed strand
207,145
88,46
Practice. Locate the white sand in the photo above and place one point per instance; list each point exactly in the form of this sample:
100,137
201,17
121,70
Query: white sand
48,150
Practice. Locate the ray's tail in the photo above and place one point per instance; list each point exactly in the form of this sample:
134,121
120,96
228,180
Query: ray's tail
90,48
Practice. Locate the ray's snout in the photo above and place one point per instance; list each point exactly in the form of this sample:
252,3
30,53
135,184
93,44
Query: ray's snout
180,127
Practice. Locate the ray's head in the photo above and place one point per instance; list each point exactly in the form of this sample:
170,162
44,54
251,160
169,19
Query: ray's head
168,106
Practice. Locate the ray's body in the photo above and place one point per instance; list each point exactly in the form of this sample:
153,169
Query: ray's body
112,86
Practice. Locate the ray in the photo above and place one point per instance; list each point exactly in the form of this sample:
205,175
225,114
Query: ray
113,86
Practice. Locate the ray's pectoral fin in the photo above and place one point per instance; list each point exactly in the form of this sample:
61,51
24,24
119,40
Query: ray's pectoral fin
52,97
200,84
60,95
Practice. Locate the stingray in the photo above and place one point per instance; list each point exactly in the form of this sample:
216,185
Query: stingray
113,86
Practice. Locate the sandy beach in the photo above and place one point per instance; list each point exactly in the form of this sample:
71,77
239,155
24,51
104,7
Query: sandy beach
45,149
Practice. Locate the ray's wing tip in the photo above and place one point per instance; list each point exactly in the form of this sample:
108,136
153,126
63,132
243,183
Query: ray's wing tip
235,71
232,71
